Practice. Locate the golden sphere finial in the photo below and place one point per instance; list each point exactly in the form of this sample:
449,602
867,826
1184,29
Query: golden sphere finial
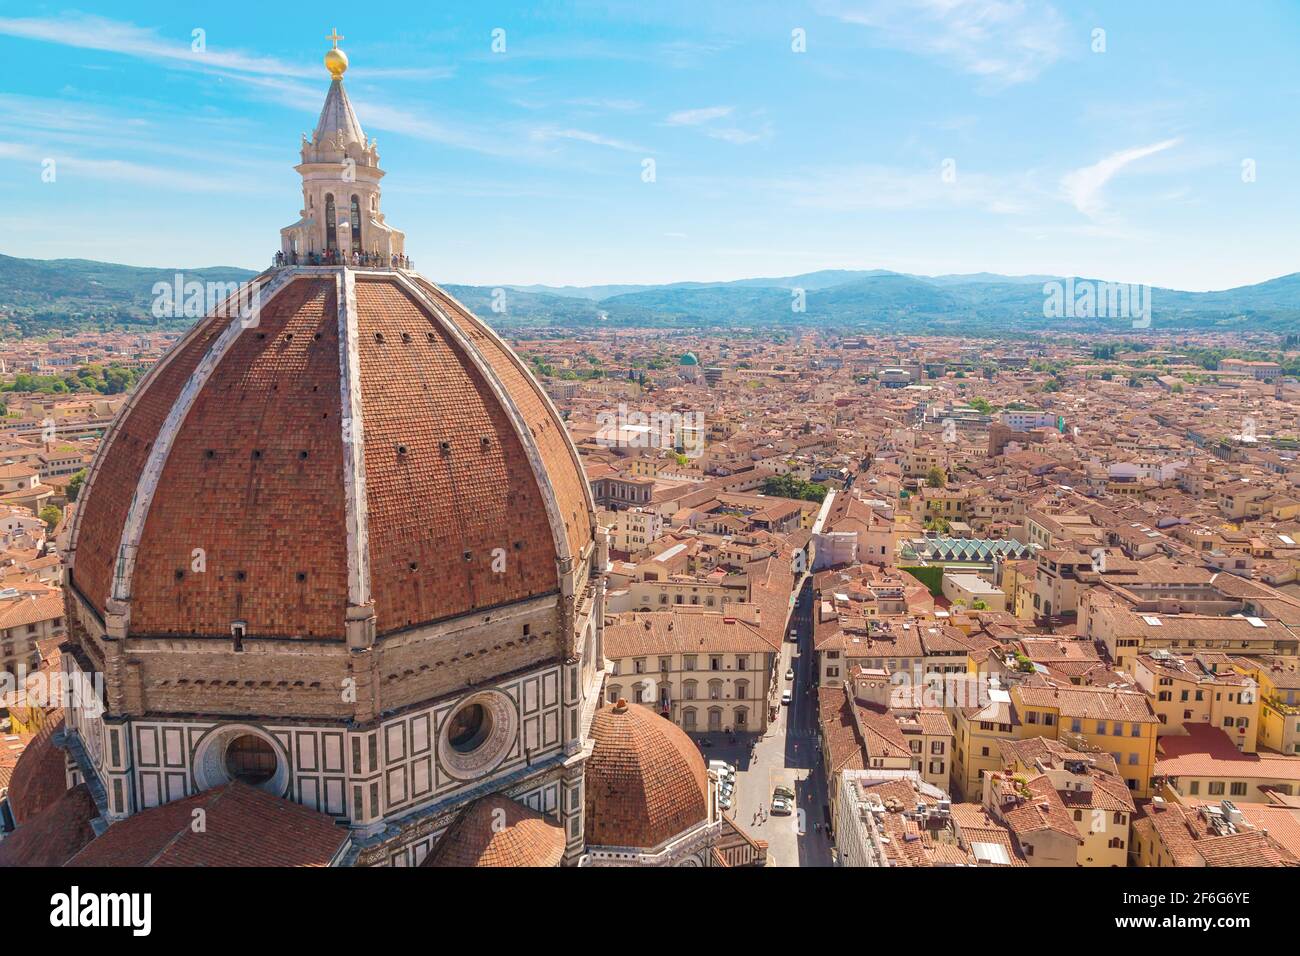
336,61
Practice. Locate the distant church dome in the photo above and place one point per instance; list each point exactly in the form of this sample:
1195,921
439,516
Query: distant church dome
646,781
688,359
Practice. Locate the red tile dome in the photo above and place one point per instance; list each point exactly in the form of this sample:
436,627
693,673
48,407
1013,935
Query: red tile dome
645,781
364,441
498,831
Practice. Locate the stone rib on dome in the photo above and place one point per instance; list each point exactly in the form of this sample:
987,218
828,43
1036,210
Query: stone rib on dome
460,457
645,781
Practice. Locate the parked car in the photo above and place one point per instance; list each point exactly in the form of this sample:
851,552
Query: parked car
724,801
794,635
785,792
789,673
781,807
786,697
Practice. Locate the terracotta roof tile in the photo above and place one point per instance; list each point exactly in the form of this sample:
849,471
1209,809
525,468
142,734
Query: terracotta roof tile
645,781
242,826
498,831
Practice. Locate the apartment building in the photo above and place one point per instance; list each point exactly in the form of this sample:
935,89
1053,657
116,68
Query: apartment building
706,672
1202,689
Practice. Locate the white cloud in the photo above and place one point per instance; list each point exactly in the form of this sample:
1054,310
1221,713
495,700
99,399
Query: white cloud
696,117
1084,186
1004,41
547,134
98,33
705,117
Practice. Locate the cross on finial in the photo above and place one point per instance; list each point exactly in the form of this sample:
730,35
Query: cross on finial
335,38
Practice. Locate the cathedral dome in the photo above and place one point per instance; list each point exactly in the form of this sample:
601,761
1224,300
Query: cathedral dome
362,442
498,831
646,781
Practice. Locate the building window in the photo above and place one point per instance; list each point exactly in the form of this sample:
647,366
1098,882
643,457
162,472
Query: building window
469,727
250,760
331,224
1238,789
1216,788
356,223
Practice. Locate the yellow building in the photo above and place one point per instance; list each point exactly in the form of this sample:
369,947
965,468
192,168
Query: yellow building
1215,834
1278,685
1120,723
1205,689
1204,764
1017,583
1095,796
979,731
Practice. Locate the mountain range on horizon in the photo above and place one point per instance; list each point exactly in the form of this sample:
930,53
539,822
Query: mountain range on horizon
38,294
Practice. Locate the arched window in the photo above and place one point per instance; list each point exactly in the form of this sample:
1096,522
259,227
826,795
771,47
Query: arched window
356,223
615,692
688,718
742,689
688,689
715,690
331,224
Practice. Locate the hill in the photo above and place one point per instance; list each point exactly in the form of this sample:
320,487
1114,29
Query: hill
39,295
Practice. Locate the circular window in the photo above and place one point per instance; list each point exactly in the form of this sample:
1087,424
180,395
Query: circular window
241,752
469,727
478,734
250,760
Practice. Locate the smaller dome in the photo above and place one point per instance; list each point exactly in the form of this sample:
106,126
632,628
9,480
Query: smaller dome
688,359
645,781
497,831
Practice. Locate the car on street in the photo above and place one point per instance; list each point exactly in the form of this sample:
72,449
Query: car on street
786,697
789,673
724,801
794,635
722,769
782,801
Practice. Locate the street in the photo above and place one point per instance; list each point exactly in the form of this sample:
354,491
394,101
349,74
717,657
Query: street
787,755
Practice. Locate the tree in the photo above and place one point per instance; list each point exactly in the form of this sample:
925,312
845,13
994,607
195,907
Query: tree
51,515
788,486
935,478
75,483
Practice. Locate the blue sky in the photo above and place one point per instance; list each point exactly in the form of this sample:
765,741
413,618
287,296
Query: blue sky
527,166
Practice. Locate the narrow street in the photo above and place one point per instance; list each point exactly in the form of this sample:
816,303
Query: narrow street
789,754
